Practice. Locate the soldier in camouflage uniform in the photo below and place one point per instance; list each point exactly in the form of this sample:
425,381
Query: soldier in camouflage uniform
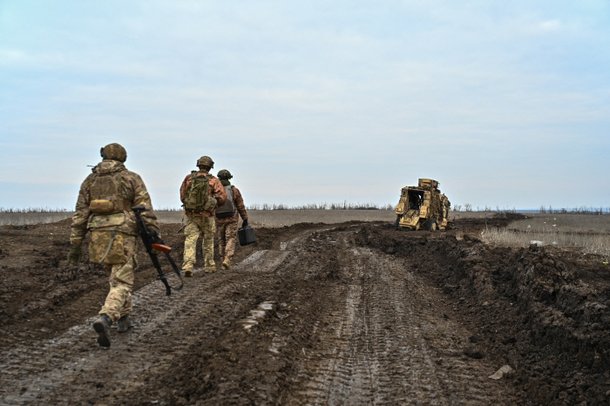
103,209
227,217
445,206
201,221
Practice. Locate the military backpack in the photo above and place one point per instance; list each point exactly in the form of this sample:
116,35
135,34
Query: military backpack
198,197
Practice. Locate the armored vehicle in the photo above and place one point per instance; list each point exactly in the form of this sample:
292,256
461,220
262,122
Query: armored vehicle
422,207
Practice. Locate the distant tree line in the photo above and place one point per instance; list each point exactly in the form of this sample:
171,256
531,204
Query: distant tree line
322,206
576,210
467,207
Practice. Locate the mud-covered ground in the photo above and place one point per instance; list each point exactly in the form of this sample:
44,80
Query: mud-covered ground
354,313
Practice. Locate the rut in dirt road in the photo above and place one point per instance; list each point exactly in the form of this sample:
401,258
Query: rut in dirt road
313,320
388,340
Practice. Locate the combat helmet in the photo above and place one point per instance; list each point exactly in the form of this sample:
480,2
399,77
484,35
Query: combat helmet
114,151
205,161
224,174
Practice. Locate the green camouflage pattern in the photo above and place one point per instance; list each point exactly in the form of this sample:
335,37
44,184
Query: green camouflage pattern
198,197
224,174
195,227
108,247
215,188
118,301
132,192
114,151
113,235
205,161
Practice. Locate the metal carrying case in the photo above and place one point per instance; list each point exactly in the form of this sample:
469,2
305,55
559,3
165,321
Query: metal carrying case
246,235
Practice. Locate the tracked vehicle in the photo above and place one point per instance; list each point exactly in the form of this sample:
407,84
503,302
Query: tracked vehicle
422,207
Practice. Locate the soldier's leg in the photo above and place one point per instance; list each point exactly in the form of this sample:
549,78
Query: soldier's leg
118,301
230,236
208,229
220,238
191,234
124,323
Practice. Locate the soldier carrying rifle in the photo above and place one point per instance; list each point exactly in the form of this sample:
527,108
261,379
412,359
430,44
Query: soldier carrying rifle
104,209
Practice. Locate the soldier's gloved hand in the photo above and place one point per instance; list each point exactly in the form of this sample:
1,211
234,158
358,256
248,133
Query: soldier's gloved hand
244,223
74,254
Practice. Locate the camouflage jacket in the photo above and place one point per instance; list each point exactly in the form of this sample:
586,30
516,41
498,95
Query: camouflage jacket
132,192
216,188
239,205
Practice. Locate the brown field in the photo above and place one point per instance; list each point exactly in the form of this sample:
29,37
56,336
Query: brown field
328,307
260,218
588,232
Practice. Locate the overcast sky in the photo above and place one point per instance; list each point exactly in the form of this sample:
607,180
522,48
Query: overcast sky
506,104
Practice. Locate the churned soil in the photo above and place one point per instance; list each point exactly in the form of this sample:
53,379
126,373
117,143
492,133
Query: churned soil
313,313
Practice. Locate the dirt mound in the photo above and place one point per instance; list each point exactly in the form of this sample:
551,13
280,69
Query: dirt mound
535,309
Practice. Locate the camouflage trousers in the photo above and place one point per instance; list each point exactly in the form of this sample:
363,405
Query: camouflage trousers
195,227
118,301
226,234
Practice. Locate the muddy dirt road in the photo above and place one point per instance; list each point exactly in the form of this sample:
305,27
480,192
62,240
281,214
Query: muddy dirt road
356,313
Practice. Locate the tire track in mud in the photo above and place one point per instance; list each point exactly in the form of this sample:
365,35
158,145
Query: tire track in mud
72,367
387,343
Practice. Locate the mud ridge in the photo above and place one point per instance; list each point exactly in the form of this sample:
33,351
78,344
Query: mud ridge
534,309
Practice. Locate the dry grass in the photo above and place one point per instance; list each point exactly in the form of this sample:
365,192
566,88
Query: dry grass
587,232
552,223
17,218
592,244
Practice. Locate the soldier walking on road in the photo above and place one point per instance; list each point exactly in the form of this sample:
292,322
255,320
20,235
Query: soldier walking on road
103,209
200,194
227,217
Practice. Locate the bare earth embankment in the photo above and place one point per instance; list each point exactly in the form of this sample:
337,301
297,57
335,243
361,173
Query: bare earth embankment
318,311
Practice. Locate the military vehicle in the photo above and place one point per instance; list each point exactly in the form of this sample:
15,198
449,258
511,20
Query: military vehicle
422,207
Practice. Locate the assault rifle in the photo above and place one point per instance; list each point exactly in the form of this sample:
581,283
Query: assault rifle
153,244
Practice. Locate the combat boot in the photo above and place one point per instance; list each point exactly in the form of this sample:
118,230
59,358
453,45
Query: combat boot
123,324
102,328
188,273
226,264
